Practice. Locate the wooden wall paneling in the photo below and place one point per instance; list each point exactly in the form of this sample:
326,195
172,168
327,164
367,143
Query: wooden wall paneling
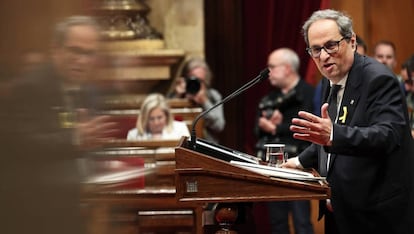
224,55
27,26
357,10
391,21
378,20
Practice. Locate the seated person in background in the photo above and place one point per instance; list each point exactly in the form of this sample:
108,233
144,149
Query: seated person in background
385,53
195,85
362,47
407,75
155,121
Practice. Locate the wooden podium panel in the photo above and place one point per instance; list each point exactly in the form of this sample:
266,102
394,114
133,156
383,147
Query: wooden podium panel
125,206
203,178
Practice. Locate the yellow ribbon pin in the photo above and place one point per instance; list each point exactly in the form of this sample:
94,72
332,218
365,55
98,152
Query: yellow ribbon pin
66,119
343,117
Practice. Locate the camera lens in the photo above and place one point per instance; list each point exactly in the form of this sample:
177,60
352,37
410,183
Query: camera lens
192,85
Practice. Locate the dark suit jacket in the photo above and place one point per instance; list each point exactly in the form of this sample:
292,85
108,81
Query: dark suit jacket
39,179
371,151
299,98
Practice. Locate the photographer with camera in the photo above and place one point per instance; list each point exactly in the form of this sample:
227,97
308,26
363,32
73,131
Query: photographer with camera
195,86
275,112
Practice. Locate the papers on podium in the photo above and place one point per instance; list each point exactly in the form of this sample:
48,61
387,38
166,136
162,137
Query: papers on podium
278,172
223,153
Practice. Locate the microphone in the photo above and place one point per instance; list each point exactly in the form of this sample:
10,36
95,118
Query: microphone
264,74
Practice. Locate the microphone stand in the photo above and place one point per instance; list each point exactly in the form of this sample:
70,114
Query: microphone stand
263,75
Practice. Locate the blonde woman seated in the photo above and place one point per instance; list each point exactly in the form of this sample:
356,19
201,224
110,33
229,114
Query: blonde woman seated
155,121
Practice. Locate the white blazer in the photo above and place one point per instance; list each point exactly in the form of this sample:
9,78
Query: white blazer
178,130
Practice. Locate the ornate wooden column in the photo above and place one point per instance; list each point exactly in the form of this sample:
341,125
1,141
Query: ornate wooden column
135,59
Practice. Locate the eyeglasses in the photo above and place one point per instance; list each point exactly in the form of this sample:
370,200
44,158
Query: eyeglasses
78,51
330,47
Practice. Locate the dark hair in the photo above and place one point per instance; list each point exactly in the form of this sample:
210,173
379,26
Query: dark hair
409,63
409,66
362,43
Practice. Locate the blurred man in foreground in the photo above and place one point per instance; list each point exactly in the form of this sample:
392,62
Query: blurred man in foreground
45,128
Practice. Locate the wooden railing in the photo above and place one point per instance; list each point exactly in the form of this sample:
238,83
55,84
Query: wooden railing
143,200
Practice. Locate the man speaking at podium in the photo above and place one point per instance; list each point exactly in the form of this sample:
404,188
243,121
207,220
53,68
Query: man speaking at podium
361,142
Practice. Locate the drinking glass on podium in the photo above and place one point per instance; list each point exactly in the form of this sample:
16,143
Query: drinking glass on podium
275,154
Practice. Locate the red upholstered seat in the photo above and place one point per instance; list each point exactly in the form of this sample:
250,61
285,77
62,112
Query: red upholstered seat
124,124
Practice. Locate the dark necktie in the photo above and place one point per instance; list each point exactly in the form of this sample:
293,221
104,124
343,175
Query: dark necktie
333,102
332,111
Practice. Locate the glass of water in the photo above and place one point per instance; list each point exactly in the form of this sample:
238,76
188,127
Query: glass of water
275,154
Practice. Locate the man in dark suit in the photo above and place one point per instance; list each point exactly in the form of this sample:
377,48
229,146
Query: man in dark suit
365,150
275,110
43,136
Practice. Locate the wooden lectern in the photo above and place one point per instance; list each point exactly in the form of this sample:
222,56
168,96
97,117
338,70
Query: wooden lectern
205,178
